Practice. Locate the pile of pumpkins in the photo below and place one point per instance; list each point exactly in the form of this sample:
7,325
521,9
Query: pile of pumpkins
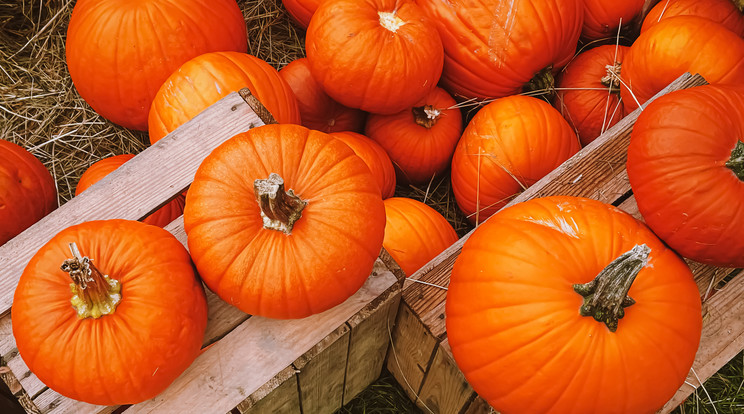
559,304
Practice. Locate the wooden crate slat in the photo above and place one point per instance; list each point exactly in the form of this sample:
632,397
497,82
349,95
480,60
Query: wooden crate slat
283,391
445,389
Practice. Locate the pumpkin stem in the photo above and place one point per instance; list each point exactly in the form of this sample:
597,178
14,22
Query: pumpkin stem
739,4
542,84
93,293
612,78
426,116
607,295
390,21
279,209
736,162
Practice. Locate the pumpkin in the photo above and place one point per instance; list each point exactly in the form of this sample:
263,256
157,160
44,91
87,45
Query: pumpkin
686,169
27,190
492,48
415,233
374,156
207,78
317,109
603,17
507,146
283,221
677,45
381,56
101,168
588,91
119,52
569,305
420,140
121,333
301,10
720,11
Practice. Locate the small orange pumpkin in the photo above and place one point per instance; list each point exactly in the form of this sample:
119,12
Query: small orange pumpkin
374,156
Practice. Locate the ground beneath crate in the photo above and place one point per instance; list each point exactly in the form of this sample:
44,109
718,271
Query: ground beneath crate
384,396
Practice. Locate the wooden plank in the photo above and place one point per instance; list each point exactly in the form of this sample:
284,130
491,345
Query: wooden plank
479,406
445,388
280,395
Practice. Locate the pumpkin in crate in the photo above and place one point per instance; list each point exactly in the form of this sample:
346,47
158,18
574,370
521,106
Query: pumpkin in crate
569,305
602,18
109,312
119,52
317,109
205,79
724,12
381,56
686,169
283,221
301,10
374,156
415,233
420,140
507,146
101,168
27,190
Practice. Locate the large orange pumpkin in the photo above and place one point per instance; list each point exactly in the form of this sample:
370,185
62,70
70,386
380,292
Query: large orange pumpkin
123,332
381,56
283,221
507,146
101,168
540,318
724,12
603,17
119,52
27,190
301,10
374,156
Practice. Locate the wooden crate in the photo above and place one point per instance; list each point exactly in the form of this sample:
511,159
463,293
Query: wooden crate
420,358
252,364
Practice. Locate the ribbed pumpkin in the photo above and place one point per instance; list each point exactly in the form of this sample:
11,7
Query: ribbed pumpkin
381,56
301,10
317,110
101,168
374,156
119,52
283,221
719,11
588,91
507,146
419,140
518,294
415,233
120,334
603,17
677,45
27,190
206,79
492,48
686,169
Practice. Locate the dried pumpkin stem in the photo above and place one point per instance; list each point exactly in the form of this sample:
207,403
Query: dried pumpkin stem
739,4
612,79
542,84
279,209
93,293
736,162
606,296
426,116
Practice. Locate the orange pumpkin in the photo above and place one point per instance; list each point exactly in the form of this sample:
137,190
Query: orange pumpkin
581,304
374,156
27,190
205,79
420,140
301,10
119,52
101,168
724,12
415,233
603,17
129,327
283,221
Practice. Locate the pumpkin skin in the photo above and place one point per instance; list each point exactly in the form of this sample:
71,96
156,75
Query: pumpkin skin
720,11
491,51
332,246
677,45
101,168
419,140
676,166
27,190
317,110
588,95
207,78
603,17
511,309
126,357
347,41
507,146
119,52
301,10
374,156
415,233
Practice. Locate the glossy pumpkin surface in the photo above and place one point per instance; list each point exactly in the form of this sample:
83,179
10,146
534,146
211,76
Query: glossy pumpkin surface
301,10
205,79
686,169
327,253
719,11
514,321
374,156
125,357
119,52
603,17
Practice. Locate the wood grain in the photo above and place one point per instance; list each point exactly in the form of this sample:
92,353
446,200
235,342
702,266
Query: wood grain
279,395
445,389
321,373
